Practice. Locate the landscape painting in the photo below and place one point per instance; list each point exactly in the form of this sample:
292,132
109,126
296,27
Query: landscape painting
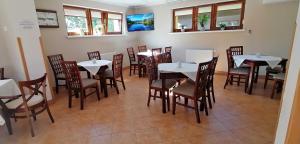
140,22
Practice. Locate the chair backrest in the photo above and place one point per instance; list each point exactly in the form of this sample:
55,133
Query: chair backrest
142,48
35,87
55,62
283,64
168,49
213,68
72,74
94,55
202,78
236,50
156,51
131,54
117,65
167,57
230,61
1,73
152,69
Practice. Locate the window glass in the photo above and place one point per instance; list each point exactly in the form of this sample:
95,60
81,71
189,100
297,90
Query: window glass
114,22
76,21
204,18
229,15
184,19
97,22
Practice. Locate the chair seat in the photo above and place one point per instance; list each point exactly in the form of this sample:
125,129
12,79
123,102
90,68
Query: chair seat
280,76
61,76
36,99
186,89
240,70
134,63
158,83
88,82
109,73
274,70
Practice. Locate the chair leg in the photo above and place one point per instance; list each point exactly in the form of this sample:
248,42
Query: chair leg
197,111
149,96
213,92
266,80
82,95
209,99
130,67
97,92
274,89
111,83
49,113
70,98
174,104
115,85
29,121
56,86
155,94
123,83
227,81
239,81
168,100
6,116
256,74
33,115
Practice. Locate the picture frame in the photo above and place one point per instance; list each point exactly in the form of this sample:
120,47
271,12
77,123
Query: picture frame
47,18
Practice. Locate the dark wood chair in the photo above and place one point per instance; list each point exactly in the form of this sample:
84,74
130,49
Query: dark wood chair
94,55
28,104
235,74
142,48
194,91
76,85
270,72
156,84
55,62
167,57
132,60
278,83
210,83
116,74
168,49
1,73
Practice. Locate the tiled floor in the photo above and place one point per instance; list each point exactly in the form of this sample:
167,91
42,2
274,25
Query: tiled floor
236,118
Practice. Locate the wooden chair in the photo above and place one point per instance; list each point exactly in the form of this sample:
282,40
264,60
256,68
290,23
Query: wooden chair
156,84
76,85
94,55
210,83
132,60
236,72
55,62
168,49
278,83
272,71
1,73
167,57
116,74
194,91
142,48
28,105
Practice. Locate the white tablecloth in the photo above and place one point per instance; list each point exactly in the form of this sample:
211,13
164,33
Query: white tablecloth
271,60
8,87
148,53
93,68
188,69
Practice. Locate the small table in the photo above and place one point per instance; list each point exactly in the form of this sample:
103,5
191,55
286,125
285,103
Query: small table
8,90
254,61
141,58
97,67
174,71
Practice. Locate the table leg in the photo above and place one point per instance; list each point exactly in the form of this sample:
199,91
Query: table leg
251,78
163,95
139,66
88,74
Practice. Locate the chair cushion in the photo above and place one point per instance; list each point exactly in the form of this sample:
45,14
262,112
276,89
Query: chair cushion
61,75
108,73
240,70
88,82
186,89
158,83
36,99
279,76
274,70
134,62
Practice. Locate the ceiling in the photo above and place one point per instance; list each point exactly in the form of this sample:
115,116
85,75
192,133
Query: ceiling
127,3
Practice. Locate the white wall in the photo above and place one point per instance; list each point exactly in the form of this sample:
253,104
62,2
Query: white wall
272,30
15,13
290,88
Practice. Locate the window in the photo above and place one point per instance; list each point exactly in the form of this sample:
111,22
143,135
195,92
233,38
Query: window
83,21
114,23
210,17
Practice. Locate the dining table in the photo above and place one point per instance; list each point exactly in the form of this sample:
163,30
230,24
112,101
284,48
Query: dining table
175,71
141,56
9,90
96,68
255,60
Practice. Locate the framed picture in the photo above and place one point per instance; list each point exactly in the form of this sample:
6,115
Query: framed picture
47,18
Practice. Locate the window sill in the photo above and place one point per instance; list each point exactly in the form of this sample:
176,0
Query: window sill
92,36
216,31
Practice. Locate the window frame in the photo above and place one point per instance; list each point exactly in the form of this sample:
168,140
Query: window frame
104,20
214,11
